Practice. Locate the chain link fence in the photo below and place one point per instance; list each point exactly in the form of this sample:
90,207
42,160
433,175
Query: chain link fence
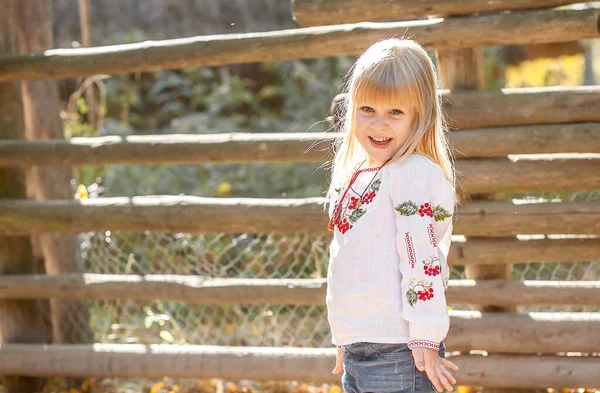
240,256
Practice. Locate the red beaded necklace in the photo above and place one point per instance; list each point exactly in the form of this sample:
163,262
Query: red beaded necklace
336,213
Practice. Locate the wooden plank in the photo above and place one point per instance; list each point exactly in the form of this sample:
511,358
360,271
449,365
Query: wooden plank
495,218
264,363
531,139
531,333
332,12
481,251
281,147
464,109
520,174
310,42
300,291
534,372
254,215
501,292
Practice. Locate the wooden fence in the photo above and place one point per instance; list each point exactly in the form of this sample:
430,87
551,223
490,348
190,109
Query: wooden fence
488,127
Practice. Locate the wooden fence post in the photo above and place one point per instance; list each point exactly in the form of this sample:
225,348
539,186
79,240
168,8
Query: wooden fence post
462,69
20,320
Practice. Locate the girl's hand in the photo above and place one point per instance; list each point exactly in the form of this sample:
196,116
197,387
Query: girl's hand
339,362
429,360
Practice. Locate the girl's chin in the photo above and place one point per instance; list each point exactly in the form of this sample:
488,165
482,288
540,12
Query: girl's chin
377,156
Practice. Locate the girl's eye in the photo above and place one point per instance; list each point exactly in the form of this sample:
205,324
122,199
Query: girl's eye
394,111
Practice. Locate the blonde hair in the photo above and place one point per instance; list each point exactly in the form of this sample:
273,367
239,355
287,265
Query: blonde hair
395,71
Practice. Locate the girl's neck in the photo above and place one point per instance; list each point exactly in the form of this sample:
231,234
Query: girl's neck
370,163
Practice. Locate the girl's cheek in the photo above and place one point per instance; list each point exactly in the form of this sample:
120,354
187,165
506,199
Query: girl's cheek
361,122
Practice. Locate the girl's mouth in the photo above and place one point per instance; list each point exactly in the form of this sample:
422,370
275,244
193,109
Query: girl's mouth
380,143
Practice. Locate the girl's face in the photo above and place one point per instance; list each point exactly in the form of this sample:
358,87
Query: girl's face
382,129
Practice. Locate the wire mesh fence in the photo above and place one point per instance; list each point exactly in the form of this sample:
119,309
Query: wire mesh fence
221,255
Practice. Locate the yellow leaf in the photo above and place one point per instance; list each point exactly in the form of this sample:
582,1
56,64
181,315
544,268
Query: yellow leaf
229,329
449,308
224,188
85,385
157,387
82,192
82,106
335,389
303,388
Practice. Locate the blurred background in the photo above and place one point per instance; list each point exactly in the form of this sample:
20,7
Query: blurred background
289,96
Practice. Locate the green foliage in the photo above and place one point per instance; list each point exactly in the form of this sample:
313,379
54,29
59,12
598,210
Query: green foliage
214,100
299,90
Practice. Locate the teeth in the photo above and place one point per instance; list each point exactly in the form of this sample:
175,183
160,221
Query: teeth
380,139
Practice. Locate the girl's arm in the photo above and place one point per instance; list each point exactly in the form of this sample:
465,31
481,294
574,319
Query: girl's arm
424,205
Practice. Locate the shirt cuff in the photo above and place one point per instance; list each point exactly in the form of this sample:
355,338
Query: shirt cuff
412,343
428,334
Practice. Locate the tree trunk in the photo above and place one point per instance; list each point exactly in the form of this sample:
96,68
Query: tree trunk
20,320
70,319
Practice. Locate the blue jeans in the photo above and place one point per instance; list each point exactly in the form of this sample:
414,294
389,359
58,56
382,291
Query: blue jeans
384,368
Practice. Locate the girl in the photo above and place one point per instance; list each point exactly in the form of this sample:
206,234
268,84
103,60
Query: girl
391,202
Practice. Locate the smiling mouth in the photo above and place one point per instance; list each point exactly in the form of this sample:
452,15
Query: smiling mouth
380,141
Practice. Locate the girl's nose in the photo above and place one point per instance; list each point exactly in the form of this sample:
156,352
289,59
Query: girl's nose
379,125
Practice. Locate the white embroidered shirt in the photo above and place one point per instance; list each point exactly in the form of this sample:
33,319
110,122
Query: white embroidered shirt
388,270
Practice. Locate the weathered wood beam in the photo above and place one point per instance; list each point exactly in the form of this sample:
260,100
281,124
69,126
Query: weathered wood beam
521,106
256,215
531,333
529,174
299,291
332,12
310,42
483,251
528,292
281,147
283,363
520,372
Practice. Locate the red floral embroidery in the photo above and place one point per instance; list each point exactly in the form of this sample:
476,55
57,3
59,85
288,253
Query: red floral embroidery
426,295
412,295
425,209
344,226
368,197
353,210
431,270
410,208
354,203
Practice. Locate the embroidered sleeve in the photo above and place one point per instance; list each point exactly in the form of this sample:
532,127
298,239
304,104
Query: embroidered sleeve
424,205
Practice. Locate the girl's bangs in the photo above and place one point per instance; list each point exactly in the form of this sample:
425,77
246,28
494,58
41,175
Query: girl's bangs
385,91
